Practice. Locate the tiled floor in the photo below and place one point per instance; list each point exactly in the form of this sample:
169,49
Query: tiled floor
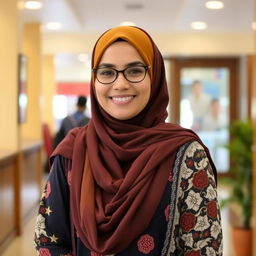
23,245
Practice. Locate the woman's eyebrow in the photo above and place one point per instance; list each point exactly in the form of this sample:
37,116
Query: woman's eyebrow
135,63
130,64
106,65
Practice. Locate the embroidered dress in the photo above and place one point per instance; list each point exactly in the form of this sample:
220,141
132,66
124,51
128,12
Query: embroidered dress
187,220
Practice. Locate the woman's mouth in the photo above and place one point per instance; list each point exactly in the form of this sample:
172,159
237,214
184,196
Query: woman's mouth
122,99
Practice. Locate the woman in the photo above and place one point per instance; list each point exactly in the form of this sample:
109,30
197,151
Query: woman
128,183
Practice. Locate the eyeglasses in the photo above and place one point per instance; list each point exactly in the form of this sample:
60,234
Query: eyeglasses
133,74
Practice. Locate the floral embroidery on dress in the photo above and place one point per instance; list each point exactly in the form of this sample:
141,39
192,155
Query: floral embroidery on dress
194,228
193,253
167,212
146,244
212,210
41,236
44,252
170,177
187,222
200,180
48,189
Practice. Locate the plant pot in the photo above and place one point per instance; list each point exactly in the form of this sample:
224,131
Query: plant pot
242,241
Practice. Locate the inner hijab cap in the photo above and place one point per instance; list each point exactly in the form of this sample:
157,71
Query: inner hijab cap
135,36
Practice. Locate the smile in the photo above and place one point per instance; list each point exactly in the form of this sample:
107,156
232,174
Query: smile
125,99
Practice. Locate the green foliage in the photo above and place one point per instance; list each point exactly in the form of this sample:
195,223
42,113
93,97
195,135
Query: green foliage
240,179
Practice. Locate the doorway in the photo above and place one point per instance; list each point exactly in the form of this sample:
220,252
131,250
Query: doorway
203,97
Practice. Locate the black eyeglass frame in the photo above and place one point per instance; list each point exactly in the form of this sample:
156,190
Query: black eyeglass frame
94,70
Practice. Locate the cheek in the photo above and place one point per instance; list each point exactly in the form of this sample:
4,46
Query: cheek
147,89
99,92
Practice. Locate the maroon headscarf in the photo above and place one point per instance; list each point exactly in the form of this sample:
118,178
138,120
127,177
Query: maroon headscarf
120,168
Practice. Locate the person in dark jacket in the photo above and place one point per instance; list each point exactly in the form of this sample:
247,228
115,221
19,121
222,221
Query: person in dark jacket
77,119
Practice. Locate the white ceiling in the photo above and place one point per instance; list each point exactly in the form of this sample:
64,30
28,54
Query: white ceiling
84,20
165,16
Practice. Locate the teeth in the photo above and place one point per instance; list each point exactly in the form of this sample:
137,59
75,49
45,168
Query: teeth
122,99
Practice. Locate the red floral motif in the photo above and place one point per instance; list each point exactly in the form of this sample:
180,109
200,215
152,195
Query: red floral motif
215,244
189,162
146,244
206,233
200,179
48,189
167,213
44,252
170,177
69,178
43,239
212,210
183,184
193,253
187,221
42,210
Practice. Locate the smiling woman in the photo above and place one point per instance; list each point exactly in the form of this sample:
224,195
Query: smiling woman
128,183
126,95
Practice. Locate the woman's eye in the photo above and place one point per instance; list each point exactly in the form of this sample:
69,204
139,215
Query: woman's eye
135,71
106,72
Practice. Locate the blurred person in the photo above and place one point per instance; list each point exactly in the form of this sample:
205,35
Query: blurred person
128,183
77,119
199,104
213,121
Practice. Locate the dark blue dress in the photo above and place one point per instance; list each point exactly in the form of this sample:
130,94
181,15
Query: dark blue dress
187,221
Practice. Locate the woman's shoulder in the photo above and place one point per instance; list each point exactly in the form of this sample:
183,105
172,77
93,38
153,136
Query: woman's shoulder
194,159
192,146
65,148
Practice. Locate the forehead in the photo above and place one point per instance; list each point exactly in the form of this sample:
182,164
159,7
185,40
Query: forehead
120,52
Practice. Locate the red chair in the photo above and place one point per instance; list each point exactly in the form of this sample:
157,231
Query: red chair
47,143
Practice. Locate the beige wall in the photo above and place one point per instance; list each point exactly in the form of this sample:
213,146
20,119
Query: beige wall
8,75
169,44
31,47
48,90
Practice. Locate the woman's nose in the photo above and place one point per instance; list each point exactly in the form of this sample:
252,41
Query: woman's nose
121,82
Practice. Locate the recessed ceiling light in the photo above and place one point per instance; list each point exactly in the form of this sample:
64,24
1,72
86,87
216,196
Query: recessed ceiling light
199,25
127,23
33,5
254,25
53,25
214,5
134,6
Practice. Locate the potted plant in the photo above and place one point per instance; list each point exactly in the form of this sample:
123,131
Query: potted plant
240,183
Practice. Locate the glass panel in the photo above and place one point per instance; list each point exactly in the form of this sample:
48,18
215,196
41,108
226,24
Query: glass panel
204,108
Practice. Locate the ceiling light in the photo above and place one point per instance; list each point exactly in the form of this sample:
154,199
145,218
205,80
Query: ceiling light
198,25
33,5
214,5
134,6
83,57
53,25
127,23
254,25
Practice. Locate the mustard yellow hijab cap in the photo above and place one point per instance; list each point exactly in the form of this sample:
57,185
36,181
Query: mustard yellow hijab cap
135,36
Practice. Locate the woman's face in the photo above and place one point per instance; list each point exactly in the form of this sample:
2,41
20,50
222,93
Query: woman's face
122,99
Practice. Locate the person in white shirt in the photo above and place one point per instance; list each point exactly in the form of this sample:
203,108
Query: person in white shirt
200,105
